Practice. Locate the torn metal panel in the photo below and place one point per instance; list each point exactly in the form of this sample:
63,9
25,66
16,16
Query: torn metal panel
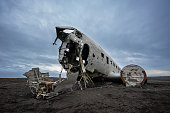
83,60
35,76
91,53
39,82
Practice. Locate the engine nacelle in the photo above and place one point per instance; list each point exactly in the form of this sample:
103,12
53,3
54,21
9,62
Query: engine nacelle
133,75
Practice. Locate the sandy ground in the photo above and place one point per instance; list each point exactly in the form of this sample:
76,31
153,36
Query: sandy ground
111,97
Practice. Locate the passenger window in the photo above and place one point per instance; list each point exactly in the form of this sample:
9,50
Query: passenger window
113,64
107,60
102,55
78,34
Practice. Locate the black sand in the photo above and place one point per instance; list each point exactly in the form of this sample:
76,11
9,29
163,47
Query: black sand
154,97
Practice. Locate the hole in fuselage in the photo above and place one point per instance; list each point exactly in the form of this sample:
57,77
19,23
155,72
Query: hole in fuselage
71,55
85,53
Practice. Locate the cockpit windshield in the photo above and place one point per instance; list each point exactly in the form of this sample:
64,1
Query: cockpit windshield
68,31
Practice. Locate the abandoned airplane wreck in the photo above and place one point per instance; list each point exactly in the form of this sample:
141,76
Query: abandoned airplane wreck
83,60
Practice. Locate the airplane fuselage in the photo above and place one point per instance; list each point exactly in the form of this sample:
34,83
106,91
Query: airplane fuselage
95,59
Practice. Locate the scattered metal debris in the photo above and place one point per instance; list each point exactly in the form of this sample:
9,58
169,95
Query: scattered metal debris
83,60
42,86
39,83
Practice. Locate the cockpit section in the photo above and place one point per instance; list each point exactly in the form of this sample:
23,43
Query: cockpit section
68,56
72,45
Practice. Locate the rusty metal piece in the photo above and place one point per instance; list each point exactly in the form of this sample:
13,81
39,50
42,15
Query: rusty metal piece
133,75
82,59
41,85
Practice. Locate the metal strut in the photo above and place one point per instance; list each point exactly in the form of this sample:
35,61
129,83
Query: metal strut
54,43
84,76
60,74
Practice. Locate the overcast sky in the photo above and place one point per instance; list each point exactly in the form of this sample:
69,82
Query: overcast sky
131,31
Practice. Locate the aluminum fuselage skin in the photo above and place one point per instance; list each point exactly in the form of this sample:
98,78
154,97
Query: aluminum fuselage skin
96,61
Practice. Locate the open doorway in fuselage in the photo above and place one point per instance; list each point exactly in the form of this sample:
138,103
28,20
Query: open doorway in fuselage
85,53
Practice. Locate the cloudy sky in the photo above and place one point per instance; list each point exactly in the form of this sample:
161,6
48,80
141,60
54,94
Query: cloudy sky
131,31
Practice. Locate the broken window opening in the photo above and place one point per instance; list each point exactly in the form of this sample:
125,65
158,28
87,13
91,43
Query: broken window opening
68,31
85,53
107,60
113,64
61,35
93,55
78,34
70,55
102,55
